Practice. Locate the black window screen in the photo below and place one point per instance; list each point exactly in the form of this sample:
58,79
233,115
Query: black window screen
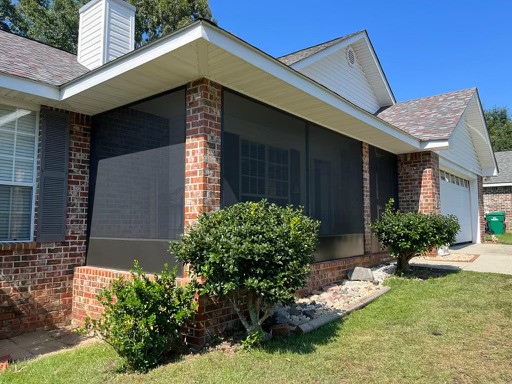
383,180
269,154
137,182
264,154
336,182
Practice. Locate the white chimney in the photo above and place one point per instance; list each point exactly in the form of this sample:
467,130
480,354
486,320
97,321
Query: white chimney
107,31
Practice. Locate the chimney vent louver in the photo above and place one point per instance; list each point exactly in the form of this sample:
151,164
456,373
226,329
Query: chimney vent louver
107,31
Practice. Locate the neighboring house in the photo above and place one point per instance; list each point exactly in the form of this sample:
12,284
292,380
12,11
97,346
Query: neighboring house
498,189
108,155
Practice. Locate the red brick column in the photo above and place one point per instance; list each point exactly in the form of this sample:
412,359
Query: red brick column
418,182
203,141
481,208
36,278
365,152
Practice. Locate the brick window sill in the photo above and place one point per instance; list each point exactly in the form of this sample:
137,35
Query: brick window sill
21,246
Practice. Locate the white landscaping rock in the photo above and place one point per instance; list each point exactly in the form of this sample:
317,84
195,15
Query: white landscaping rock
333,301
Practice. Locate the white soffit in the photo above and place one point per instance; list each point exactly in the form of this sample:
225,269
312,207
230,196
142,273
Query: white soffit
204,50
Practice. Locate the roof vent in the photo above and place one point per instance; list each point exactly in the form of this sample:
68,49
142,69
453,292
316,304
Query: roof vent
106,31
351,56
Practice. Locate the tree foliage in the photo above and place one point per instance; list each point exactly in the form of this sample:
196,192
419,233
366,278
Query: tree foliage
143,318
55,22
408,234
8,16
256,249
499,123
155,18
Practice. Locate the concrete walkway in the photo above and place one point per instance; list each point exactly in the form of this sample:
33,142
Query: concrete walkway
37,343
496,258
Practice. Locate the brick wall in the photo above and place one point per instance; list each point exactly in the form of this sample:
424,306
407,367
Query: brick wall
213,316
36,280
330,272
418,182
203,141
498,199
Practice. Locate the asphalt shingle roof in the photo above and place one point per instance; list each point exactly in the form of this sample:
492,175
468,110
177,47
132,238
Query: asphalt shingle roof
36,61
429,118
504,161
295,57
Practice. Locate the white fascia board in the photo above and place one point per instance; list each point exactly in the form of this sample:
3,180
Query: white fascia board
490,185
326,52
485,132
131,60
435,145
28,86
289,75
379,68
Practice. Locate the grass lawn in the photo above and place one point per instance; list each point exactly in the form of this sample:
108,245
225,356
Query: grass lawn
506,238
451,329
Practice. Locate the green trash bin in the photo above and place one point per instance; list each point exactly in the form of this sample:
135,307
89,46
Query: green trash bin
496,222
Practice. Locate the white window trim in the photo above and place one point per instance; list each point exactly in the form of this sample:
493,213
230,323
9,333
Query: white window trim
34,175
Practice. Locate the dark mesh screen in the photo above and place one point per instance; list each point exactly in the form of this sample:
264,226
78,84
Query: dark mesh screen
264,154
336,182
383,180
269,154
137,179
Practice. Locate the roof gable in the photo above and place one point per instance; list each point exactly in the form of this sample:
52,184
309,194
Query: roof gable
36,61
305,60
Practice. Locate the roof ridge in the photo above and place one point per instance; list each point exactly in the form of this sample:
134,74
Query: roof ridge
322,43
37,41
438,95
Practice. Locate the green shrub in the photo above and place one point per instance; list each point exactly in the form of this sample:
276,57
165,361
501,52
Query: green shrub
413,233
254,248
143,318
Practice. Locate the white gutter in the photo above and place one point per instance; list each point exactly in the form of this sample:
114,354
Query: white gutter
489,185
29,86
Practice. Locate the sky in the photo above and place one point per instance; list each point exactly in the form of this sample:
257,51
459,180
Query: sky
425,47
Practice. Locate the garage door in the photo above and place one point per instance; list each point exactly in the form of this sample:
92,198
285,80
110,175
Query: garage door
455,200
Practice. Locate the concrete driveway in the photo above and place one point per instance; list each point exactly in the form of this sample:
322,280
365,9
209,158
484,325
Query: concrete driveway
496,258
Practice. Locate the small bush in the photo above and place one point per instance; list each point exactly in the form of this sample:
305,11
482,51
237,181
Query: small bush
143,318
257,248
413,233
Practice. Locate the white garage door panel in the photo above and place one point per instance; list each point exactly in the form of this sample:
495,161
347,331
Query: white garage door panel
455,200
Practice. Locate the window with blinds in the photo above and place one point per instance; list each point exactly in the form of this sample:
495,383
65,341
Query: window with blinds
17,172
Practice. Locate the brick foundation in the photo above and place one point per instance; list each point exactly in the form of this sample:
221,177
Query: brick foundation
418,182
36,281
213,316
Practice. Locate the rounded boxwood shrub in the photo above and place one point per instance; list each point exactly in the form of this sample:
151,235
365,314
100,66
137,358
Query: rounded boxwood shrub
143,317
408,234
257,249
